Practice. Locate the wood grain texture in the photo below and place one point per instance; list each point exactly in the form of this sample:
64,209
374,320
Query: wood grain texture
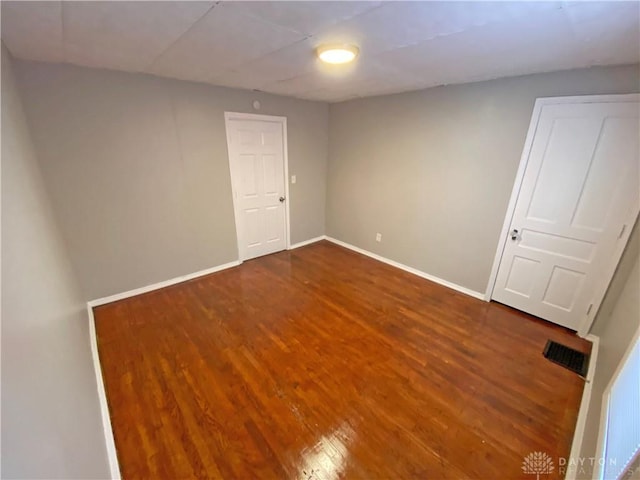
320,363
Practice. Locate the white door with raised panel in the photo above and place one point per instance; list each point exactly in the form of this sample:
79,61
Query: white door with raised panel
257,163
578,200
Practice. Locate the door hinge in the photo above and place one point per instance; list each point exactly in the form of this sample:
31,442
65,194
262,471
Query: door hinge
622,230
589,309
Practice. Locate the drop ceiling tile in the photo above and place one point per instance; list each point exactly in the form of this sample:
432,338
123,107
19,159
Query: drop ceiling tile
225,38
399,24
291,61
33,30
125,35
606,32
306,17
267,46
539,41
601,14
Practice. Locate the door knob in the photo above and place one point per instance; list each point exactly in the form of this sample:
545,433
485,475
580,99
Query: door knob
514,234
281,199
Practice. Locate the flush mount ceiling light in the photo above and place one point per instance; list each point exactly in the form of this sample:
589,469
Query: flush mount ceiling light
337,54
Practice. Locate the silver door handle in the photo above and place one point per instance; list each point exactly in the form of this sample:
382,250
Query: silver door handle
281,199
514,234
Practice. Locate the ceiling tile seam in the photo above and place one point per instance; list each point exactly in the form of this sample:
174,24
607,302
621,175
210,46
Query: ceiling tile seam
179,37
271,24
305,36
357,15
345,20
268,54
240,65
469,28
380,4
245,13
375,6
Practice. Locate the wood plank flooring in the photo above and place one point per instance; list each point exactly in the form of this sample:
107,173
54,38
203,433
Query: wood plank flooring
320,363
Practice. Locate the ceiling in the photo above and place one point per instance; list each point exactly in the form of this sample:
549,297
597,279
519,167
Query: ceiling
269,46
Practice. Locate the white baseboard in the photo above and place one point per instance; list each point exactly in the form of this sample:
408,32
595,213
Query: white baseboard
109,441
102,394
415,271
156,286
307,242
576,445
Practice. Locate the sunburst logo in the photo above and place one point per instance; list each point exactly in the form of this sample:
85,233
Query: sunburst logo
537,463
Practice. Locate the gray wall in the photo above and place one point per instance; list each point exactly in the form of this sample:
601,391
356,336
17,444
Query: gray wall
433,170
138,171
51,425
616,323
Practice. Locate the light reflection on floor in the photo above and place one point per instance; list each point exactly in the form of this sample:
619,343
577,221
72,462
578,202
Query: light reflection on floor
327,459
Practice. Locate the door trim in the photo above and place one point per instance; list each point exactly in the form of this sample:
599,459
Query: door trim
604,408
601,288
228,116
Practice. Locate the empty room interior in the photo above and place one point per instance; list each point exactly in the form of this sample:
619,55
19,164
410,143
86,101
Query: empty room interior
320,240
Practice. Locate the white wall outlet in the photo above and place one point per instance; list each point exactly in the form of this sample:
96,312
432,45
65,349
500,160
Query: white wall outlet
293,179
378,237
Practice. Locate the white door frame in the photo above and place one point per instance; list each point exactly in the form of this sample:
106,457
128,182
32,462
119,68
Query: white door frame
601,287
228,116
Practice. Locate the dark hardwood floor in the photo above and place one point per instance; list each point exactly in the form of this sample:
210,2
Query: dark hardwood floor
320,363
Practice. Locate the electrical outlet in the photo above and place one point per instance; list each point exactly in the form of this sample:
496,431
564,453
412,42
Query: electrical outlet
378,237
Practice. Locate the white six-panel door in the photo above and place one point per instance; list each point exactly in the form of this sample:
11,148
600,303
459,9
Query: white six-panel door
257,164
579,191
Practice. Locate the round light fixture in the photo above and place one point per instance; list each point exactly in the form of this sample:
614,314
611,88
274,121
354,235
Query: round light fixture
337,54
